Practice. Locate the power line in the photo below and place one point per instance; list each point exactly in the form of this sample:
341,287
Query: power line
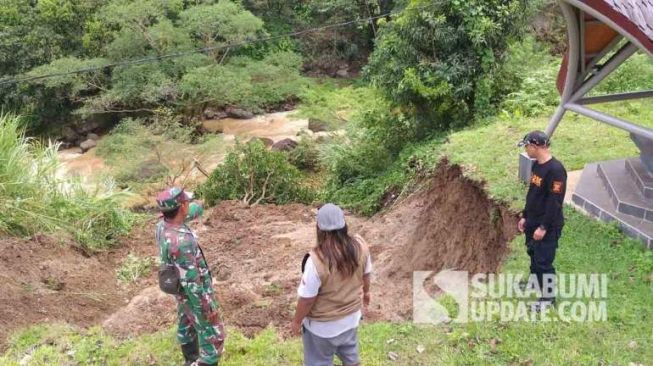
202,50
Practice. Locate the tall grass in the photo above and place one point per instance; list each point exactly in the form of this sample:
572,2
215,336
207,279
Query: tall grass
35,198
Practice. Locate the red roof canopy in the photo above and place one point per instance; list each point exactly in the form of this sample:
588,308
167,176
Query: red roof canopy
606,20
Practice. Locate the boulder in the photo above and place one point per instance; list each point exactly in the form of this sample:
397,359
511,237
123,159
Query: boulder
210,113
92,136
88,126
317,125
284,145
239,113
342,73
87,145
69,135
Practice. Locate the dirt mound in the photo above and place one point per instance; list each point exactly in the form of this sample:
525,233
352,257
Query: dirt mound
450,224
46,280
147,312
255,256
255,253
265,246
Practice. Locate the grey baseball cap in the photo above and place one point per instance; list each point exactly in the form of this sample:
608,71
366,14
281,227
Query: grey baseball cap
330,217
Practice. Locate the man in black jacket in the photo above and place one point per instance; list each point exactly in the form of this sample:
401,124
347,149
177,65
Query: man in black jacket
542,219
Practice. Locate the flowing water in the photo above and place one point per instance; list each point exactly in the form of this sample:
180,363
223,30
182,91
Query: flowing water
274,126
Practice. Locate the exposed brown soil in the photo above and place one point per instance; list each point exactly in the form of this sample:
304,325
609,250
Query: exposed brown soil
255,255
45,279
450,224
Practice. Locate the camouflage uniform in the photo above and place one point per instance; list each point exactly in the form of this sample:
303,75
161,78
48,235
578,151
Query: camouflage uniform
199,319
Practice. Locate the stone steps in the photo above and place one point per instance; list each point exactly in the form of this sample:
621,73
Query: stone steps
626,195
607,186
642,178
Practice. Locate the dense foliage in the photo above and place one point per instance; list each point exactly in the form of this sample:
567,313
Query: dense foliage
437,66
254,175
101,33
439,60
332,48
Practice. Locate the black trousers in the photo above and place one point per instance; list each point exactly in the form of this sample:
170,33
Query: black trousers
542,254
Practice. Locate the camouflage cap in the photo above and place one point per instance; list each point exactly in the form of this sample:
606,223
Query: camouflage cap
171,198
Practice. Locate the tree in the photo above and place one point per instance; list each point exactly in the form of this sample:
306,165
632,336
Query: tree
58,36
331,48
437,60
220,24
33,33
50,101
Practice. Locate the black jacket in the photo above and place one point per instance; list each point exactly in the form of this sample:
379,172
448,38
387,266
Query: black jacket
546,195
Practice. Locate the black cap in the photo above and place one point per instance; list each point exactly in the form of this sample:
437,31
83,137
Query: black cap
537,138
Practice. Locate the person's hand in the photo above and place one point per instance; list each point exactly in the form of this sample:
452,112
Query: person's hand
521,224
366,299
296,328
539,234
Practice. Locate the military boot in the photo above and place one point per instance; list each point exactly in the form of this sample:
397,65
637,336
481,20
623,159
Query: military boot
191,352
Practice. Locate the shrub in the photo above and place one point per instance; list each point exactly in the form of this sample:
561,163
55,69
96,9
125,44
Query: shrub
171,125
351,161
306,155
529,79
332,103
141,152
129,138
253,174
35,198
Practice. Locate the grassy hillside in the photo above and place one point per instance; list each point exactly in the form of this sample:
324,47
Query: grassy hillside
487,152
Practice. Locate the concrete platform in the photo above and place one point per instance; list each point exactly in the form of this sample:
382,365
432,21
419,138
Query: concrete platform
642,178
592,197
626,195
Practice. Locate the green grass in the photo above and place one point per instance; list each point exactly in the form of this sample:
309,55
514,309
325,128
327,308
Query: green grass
34,198
329,101
489,152
134,267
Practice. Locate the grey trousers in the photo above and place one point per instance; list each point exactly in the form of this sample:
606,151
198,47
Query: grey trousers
319,351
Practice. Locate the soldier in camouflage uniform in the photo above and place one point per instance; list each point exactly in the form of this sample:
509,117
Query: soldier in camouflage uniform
200,330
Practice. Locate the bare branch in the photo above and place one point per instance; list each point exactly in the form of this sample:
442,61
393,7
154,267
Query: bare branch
199,167
224,56
265,187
